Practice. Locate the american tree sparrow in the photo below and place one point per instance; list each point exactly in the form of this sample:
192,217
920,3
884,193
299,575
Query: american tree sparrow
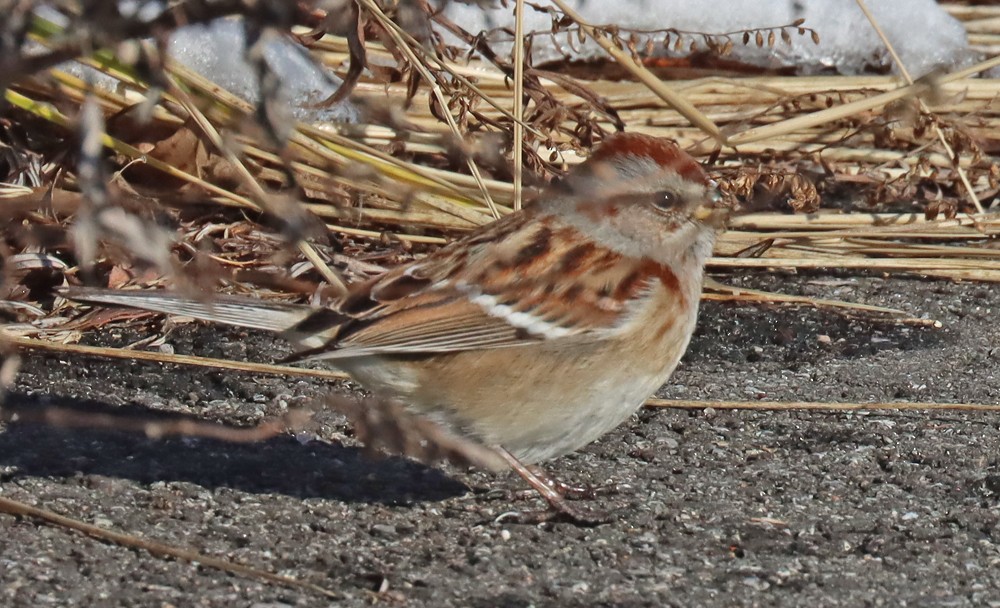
538,333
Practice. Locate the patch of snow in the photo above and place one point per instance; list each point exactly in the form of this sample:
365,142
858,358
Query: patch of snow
922,32
215,51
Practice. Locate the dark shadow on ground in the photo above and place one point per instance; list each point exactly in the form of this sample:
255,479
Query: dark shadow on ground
279,465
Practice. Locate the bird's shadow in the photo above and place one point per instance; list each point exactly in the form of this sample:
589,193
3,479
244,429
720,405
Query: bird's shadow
278,465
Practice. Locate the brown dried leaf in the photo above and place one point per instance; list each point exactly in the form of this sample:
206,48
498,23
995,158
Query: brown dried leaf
118,277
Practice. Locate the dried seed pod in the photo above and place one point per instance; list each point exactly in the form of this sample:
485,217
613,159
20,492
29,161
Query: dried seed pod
756,189
946,207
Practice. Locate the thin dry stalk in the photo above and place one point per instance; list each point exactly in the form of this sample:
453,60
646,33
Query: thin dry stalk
676,101
518,151
20,509
404,42
819,405
173,359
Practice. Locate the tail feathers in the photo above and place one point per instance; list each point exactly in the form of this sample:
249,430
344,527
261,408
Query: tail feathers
230,310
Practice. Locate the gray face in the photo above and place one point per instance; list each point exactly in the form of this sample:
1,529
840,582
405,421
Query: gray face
640,209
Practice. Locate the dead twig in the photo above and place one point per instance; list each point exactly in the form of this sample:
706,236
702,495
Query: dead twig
20,509
817,405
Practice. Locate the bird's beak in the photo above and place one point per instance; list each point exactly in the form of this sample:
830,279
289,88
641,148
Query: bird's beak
712,211
704,212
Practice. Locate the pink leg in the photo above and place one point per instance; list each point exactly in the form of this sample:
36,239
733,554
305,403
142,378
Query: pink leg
549,489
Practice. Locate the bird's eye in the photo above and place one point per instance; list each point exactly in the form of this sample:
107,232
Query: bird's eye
665,200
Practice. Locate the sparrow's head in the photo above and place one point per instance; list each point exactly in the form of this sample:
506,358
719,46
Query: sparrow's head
644,197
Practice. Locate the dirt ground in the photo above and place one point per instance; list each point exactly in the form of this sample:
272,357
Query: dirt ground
735,508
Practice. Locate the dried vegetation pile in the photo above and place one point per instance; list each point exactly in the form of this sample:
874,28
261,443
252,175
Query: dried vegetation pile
169,178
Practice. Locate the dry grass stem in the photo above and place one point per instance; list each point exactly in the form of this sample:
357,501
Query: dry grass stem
518,128
676,101
819,405
173,359
20,509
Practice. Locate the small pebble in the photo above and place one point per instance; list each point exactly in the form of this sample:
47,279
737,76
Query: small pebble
384,530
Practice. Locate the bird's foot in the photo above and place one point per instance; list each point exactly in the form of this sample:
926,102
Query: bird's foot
558,495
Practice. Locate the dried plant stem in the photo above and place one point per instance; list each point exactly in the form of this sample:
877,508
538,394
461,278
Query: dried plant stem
876,221
972,12
818,405
51,114
157,428
374,234
676,101
403,44
714,290
337,52
145,355
20,509
849,109
976,270
923,106
518,151
335,148
263,198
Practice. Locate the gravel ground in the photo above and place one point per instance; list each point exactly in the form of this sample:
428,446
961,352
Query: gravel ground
736,508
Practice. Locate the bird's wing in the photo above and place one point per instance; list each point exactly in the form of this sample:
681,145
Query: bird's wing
518,282
522,279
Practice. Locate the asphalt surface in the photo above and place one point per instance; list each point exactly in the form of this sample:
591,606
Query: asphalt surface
734,508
